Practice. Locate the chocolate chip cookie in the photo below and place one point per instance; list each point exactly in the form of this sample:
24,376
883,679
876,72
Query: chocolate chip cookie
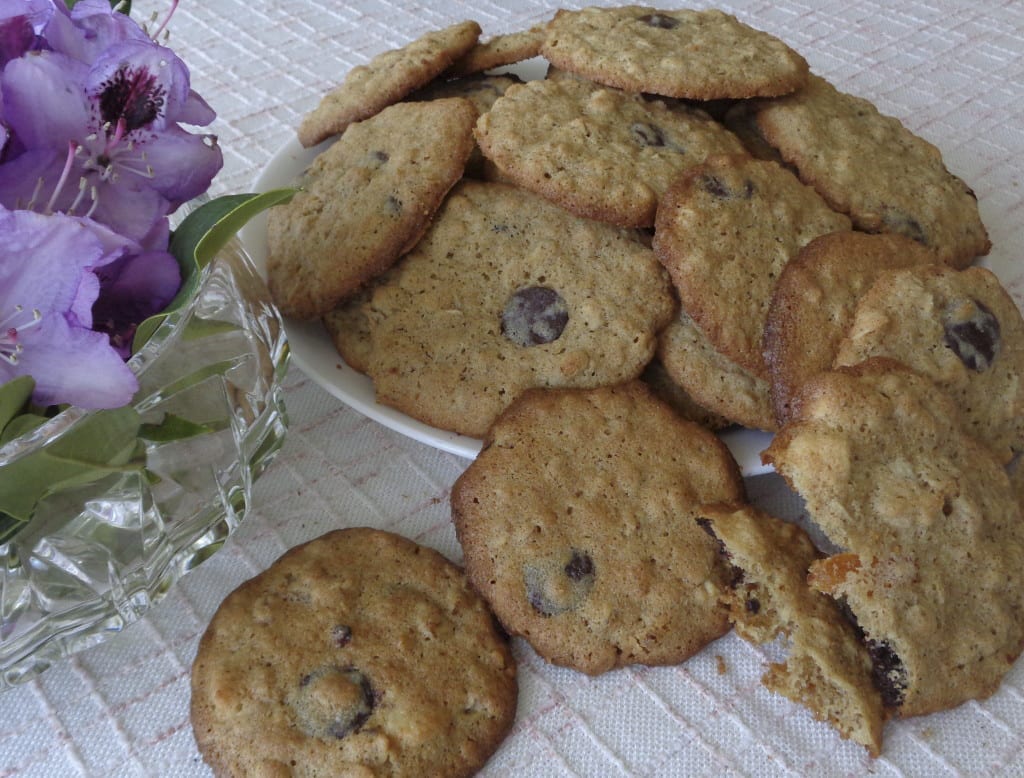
577,520
814,301
386,79
828,669
506,292
960,328
703,55
873,168
598,152
358,653
931,534
725,230
365,201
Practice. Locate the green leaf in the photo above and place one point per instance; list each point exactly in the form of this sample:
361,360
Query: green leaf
101,443
14,396
173,428
21,425
199,237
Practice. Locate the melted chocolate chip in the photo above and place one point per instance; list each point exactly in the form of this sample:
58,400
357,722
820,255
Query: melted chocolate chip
753,605
646,134
660,21
888,673
333,702
905,224
716,187
381,156
580,566
534,315
975,340
554,588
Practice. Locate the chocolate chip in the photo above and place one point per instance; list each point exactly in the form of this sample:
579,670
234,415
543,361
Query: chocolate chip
556,587
904,224
341,635
753,605
974,339
716,187
660,21
394,205
647,134
380,156
888,673
580,566
333,701
534,315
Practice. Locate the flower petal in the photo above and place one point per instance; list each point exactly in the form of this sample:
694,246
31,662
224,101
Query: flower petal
183,163
44,103
77,366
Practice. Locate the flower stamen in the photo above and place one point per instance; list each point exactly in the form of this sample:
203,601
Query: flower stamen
68,163
166,21
11,326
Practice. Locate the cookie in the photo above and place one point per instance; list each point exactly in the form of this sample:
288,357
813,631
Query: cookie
702,55
725,230
349,326
932,537
598,152
365,201
871,167
481,91
358,653
498,51
827,668
670,392
711,379
506,292
386,79
577,520
960,328
814,301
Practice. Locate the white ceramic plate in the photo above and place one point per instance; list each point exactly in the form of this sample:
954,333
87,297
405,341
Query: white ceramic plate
314,353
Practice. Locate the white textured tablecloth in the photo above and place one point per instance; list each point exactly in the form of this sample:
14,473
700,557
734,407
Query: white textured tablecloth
952,70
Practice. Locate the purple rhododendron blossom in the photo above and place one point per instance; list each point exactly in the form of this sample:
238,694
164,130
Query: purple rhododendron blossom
88,29
121,99
94,156
21,22
133,288
48,285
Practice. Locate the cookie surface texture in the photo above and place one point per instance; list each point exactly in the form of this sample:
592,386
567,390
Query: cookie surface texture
507,292
598,152
386,79
814,302
891,476
871,167
703,55
577,523
725,230
827,668
364,201
712,379
358,653
960,328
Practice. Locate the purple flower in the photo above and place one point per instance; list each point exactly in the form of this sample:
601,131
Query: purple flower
21,22
48,285
122,109
89,28
133,288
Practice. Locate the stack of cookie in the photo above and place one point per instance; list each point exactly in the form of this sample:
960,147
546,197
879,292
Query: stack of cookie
680,228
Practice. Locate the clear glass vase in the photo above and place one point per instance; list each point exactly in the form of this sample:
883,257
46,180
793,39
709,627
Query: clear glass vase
96,556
